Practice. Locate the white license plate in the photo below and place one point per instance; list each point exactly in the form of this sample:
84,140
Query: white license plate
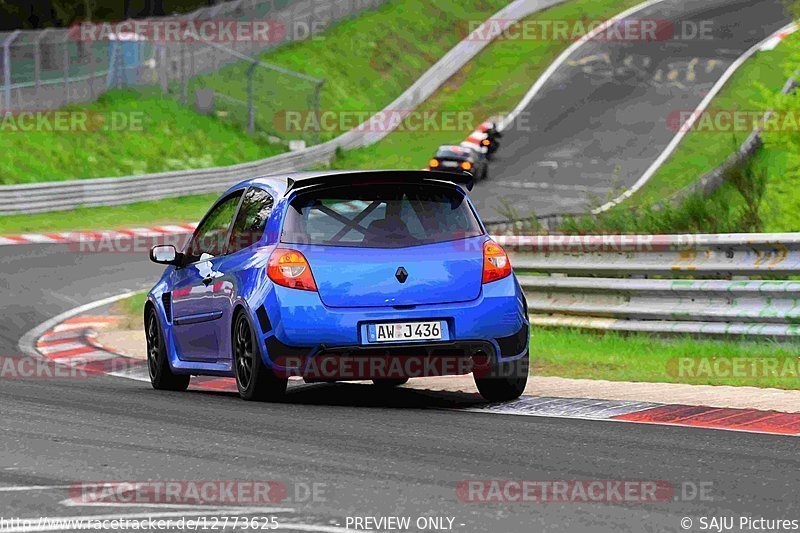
450,164
405,331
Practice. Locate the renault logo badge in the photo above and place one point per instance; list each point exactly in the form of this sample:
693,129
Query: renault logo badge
401,275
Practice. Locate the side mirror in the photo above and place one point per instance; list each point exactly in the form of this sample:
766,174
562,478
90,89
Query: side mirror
165,254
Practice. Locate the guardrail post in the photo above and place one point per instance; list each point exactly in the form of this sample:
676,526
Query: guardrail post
65,44
184,75
251,116
37,60
7,68
91,69
163,67
315,106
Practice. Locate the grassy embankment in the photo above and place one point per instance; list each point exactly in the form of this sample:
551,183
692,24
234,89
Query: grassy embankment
391,64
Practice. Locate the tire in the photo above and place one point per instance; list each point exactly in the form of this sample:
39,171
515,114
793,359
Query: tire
505,381
255,381
389,382
485,173
161,375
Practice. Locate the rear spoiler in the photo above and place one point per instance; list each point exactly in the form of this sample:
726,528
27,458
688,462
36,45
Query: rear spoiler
377,176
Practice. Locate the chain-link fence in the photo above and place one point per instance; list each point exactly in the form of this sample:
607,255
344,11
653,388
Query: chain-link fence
51,68
252,93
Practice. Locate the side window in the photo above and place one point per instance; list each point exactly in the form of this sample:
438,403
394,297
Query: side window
252,219
210,236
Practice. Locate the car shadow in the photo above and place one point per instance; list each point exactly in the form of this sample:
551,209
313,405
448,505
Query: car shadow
348,394
368,395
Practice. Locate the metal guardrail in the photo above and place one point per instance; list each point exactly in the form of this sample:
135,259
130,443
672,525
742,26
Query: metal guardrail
55,196
690,284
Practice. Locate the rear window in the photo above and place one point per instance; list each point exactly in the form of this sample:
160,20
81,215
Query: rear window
452,154
379,216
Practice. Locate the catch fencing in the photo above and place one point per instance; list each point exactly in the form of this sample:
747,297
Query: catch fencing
51,68
719,285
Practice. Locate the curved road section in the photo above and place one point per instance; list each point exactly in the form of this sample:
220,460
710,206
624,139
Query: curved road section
368,452
601,119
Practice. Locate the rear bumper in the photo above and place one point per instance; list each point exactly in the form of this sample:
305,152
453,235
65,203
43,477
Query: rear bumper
304,328
396,361
455,170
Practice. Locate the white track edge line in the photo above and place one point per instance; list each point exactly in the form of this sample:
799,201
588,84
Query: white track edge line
562,58
27,343
686,126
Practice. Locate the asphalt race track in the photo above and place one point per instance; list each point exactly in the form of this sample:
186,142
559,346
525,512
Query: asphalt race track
601,119
399,452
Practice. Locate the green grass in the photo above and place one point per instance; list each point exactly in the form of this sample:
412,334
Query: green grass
131,310
518,63
168,211
366,61
702,151
171,137
639,357
781,206
396,44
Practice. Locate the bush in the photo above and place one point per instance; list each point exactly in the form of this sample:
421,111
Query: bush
736,207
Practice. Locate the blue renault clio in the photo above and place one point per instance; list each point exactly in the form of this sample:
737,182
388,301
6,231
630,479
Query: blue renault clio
337,276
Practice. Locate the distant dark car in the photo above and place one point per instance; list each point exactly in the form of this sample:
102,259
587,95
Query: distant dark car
460,159
490,138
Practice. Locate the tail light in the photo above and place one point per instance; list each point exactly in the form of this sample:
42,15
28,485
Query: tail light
433,163
466,165
486,142
289,268
495,262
